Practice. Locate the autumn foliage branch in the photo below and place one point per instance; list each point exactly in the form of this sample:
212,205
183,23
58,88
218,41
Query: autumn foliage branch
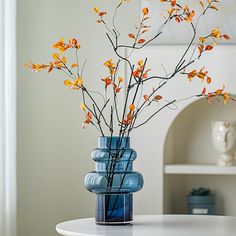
135,101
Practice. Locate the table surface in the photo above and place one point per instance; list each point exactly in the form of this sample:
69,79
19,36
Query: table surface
155,225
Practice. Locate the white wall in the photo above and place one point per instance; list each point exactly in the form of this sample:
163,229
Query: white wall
53,150
149,140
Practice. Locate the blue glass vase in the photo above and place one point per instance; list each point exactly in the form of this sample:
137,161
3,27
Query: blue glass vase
114,180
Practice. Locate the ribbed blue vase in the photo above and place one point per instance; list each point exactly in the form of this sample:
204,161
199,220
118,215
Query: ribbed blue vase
114,180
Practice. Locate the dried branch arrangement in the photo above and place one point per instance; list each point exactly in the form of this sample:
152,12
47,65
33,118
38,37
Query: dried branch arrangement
122,121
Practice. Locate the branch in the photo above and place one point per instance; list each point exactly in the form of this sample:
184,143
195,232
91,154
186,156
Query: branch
155,113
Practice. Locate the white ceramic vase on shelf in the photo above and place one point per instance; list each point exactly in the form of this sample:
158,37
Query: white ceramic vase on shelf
224,140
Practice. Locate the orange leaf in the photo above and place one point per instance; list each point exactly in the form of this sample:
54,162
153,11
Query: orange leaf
146,97
74,65
50,67
144,31
213,7
132,107
89,115
74,41
210,95
226,36
200,48
208,80
157,98
145,75
141,41
204,91
131,36
87,121
209,47
125,122
117,89
173,3
192,74
145,11
137,72
107,81
130,117
102,13
177,19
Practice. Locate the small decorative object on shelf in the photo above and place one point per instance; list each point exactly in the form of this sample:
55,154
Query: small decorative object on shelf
113,180
115,109
201,201
224,139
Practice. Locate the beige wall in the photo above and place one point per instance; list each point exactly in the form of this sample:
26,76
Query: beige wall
53,150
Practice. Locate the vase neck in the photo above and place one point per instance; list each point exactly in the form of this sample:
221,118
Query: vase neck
114,142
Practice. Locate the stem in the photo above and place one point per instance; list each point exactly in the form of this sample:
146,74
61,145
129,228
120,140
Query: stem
155,113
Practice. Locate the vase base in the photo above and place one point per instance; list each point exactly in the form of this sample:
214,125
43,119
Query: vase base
114,223
114,209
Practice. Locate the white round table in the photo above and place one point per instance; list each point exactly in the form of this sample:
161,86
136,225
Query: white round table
155,225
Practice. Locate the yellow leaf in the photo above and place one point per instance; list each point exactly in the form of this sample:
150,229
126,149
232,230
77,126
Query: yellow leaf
68,83
74,65
170,11
218,91
201,3
120,79
96,9
226,98
109,63
140,63
79,81
216,33
55,56
82,106
202,39
63,60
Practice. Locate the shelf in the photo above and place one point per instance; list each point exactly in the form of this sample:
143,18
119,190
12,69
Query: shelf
199,169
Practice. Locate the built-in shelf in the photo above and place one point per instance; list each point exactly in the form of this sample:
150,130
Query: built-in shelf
199,169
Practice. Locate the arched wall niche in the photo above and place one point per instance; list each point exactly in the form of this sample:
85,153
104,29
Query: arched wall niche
189,135
188,141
